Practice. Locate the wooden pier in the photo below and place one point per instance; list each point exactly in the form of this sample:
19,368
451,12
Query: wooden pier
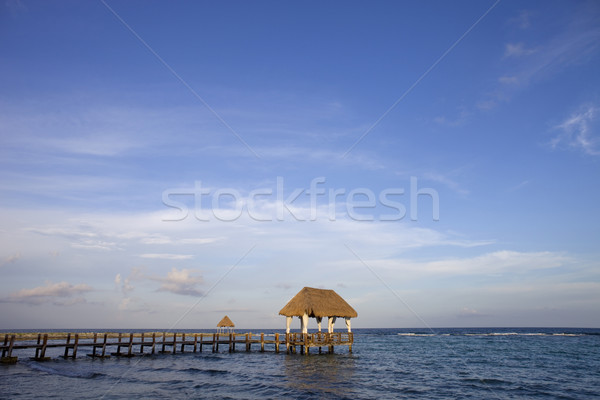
135,344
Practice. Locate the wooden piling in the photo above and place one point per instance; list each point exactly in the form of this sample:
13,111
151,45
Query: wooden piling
7,357
44,344
142,344
104,346
4,346
40,350
75,345
67,346
130,347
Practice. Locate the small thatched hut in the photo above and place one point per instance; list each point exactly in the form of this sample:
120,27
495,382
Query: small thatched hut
225,325
317,303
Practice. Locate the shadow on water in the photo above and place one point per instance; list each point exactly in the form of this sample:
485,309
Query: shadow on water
326,374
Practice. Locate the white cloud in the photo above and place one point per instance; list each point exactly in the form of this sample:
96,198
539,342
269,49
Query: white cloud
519,186
508,80
124,304
51,292
574,43
470,313
181,282
166,256
517,50
10,259
497,262
447,181
580,131
523,20
492,263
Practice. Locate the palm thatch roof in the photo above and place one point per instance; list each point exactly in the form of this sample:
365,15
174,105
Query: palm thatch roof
318,303
226,322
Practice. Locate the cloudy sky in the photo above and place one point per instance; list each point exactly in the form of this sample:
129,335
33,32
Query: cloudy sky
163,164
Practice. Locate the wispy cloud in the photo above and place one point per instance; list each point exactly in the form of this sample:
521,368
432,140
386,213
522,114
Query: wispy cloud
61,293
527,63
446,180
162,239
167,256
467,312
522,20
10,259
498,262
508,80
579,131
517,50
519,186
490,264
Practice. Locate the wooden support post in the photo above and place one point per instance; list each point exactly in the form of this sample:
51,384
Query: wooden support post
130,348
142,344
201,341
262,342
10,347
4,344
230,342
153,342
119,345
182,342
103,345
248,341
163,342
67,345
37,349
75,345
94,346
7,357
44,344
215,343
174,342
196,342
233,341
277,343
306,347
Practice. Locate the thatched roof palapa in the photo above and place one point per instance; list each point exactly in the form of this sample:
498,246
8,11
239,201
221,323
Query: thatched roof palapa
225,322
318,303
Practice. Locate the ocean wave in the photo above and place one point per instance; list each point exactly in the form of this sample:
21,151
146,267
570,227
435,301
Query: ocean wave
63,371
482,334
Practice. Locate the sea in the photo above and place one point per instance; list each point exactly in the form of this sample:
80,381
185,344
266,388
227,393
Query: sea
448,363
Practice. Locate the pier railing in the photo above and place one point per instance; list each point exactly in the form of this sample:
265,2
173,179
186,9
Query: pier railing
132,344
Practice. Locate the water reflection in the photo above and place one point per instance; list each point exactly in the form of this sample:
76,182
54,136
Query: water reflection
332,374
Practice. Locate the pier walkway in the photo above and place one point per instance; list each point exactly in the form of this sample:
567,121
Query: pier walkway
104,345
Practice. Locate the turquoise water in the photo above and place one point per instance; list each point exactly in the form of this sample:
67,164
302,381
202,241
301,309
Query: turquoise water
490,363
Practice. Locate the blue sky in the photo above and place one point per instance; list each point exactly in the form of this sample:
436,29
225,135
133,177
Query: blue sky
157,162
